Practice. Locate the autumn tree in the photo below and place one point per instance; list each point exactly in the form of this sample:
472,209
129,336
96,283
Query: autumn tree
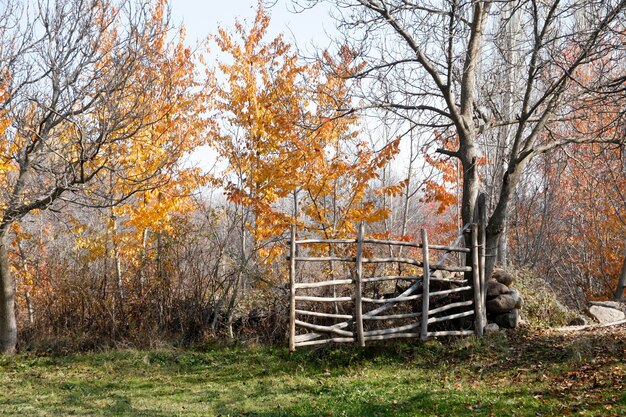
283,135
293,156
95,100
573,203
439,65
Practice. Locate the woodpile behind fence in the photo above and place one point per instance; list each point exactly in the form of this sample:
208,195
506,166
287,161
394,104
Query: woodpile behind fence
427,299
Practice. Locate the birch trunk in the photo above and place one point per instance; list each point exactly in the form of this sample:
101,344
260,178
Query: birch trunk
8,324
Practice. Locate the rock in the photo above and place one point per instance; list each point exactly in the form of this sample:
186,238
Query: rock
491,328
578,321
519,300
501,304
494,289
605,315
610,304
440,274
508,320
502,277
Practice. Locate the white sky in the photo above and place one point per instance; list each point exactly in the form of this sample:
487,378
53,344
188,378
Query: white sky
202,17
307,30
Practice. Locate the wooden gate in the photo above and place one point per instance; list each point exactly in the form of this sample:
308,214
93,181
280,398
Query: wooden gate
356,316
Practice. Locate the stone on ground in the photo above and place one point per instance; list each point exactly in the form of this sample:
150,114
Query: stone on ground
491,328
578,321
605,315
502,277
508,320
610,304
494,289
519,300
501,304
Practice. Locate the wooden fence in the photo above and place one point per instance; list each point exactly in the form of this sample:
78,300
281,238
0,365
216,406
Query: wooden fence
363,321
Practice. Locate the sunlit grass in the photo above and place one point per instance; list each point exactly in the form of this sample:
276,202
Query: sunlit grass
524,376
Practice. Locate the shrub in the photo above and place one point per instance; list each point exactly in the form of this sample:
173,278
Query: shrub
541,304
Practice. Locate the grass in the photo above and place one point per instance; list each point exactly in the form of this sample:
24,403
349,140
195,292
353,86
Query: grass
525,373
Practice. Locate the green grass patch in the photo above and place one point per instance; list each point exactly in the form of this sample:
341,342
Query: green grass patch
514,374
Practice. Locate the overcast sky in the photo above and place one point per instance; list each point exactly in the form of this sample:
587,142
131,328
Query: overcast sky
202,17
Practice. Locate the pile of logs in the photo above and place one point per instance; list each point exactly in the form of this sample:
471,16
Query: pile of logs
503,301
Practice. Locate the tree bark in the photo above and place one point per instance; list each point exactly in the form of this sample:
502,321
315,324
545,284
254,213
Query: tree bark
497,221
470,197
8,324
621,282
470,188
503,249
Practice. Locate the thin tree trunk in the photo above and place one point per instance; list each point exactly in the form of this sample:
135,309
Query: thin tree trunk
29,307
503,249
231,306
407,197
8,324
497,221
243,262
29,302
504,140
621,282
144,259
119,277
469,199
117,263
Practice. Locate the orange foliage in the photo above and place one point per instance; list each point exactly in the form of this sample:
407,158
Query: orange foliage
146,170
581,207
286,130
440,195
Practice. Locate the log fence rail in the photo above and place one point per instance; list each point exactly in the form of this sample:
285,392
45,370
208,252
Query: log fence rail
351,327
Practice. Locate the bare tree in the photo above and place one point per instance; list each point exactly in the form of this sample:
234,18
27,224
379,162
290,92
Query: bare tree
445,62
76,96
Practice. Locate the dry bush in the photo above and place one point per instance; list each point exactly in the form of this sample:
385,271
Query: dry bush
541,304
182,293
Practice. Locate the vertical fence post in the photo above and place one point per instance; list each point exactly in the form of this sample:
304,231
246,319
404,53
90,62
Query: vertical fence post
358,287
292,290
478,298
425,286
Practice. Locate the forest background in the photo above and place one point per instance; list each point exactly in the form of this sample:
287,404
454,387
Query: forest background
111,235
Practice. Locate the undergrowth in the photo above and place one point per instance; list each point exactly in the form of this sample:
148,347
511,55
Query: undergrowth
541,304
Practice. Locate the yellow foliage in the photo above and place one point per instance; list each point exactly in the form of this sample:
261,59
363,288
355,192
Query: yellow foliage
275,145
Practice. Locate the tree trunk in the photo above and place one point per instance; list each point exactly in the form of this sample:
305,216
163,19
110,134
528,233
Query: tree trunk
469,199
503,249
621,283
470,190
119,277
491,252
497,221
29,307
144,261
8,325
